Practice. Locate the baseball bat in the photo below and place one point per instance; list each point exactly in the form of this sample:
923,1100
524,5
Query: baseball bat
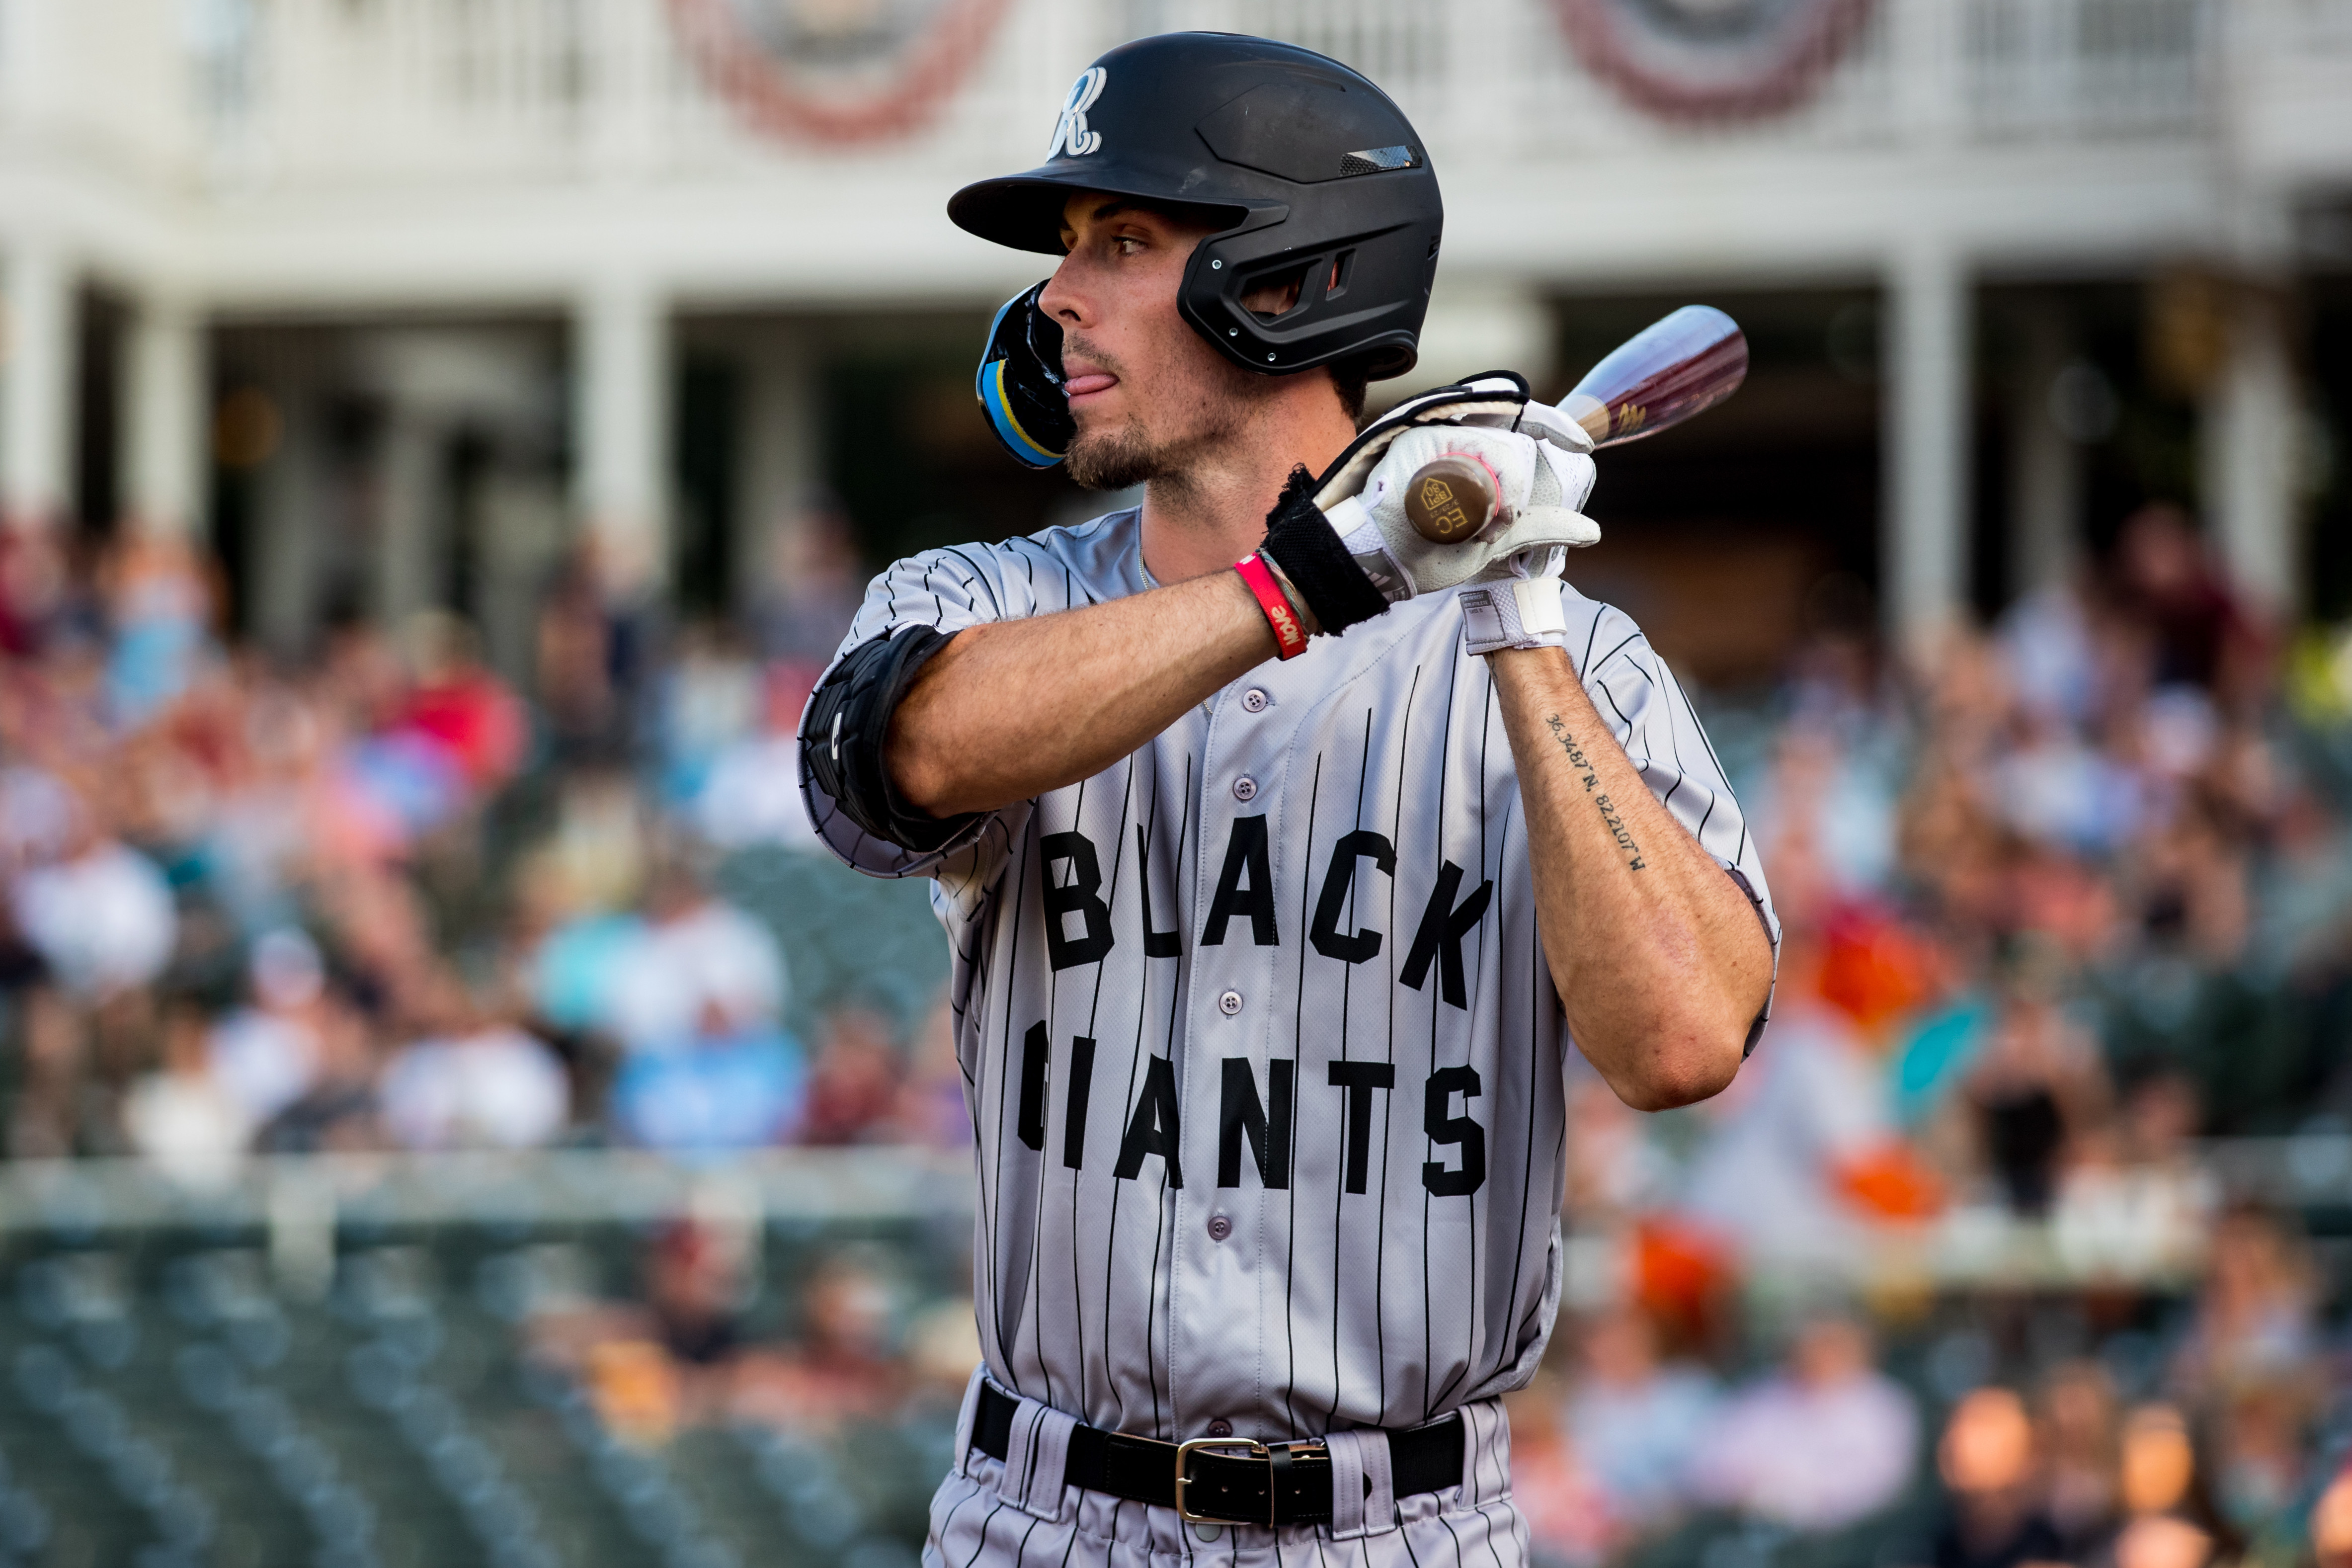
1656,379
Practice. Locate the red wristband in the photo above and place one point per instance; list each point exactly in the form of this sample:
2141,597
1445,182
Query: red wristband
1290,637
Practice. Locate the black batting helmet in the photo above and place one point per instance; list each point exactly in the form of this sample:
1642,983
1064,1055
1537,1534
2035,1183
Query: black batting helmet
1314,171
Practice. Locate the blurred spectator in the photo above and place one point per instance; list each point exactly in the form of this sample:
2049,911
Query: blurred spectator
2134,1201
2257,1318
100,914
458,705
697,969
2062,900
482,1085
2259,1441
2080,1450
2168,1518
1797,1120
931,1110
1571,1523
1635,1421
179,1116
725,1090
2169,586
2036,1078
818,583
857,1083
669,1358
752,794
1827,811
1986,1460
158,605
1820,1444
711,698
583,660
338,1111
265,1056
2331,1523
844,1365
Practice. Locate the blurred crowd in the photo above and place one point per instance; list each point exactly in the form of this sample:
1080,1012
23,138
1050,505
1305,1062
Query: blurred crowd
1948,1272
383,897
1948,1275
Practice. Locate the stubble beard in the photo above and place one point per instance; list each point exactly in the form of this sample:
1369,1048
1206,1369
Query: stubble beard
1123,455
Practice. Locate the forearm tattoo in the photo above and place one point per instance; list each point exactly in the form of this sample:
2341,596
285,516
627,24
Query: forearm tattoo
1610,816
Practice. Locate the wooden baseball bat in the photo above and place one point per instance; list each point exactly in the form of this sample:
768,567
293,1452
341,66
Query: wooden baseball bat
1658,378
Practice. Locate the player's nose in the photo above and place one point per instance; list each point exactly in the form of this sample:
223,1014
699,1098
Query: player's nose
1064,300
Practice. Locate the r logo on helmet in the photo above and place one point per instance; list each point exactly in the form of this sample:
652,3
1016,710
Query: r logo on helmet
1070,133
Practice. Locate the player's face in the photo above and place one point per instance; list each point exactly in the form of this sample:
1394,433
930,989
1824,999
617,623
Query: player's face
1147,395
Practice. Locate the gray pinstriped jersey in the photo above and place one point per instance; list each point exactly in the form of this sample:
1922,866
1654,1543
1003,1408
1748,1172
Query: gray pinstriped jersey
1263,1052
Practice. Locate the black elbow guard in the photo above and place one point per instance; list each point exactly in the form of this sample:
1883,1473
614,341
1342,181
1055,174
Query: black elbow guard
841,739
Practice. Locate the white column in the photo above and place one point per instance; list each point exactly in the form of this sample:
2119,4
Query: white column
1924,533
32,87
627,49
2247,440
296,508
783,466
164,403
37,386
405,574
622,424
1480,323
1927,57
2045,468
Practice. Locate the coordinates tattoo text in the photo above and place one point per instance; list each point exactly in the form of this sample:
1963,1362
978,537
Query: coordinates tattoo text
1609,813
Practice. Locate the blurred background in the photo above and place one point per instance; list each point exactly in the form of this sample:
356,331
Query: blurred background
452,1112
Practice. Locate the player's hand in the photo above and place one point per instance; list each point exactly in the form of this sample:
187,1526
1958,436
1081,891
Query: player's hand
1539,489
1342,538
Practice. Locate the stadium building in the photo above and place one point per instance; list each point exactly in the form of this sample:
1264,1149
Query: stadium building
396,302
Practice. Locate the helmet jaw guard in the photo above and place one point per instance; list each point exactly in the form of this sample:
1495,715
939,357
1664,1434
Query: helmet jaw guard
1020,383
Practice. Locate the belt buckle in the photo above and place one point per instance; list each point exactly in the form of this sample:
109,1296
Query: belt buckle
1249,1446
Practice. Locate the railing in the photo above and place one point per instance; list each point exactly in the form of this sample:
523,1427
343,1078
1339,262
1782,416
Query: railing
2043,67
296,91
292,1197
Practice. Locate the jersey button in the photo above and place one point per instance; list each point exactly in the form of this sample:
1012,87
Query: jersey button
1252,701
1246,788
1230,1003
1220,1228
1221,1428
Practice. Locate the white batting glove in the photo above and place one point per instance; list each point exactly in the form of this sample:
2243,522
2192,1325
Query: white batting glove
1342,539
1522,609
1539,488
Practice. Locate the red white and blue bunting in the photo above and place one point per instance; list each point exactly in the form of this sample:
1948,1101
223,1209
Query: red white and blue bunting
1712,60
836,70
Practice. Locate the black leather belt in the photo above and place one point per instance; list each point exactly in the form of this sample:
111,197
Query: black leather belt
1226,1480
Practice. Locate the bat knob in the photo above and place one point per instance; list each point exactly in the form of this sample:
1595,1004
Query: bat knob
1449,499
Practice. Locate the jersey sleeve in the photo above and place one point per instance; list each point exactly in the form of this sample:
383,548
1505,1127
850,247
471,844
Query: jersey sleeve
947,591
1652,720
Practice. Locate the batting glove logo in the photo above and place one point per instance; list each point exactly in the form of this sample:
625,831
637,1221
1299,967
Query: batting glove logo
1070,133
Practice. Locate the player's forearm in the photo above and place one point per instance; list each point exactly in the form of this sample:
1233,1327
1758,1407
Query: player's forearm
1660,960
1009,710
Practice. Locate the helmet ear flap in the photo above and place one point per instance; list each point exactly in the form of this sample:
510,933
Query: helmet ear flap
1019,382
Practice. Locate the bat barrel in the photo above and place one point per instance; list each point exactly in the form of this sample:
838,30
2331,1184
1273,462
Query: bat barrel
1662,376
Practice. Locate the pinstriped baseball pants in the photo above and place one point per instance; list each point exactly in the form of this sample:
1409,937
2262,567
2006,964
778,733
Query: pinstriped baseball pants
992,1513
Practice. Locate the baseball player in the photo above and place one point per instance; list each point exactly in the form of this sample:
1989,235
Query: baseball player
1284,853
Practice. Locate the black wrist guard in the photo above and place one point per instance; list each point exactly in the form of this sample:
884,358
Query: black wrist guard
841,739
1301,541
